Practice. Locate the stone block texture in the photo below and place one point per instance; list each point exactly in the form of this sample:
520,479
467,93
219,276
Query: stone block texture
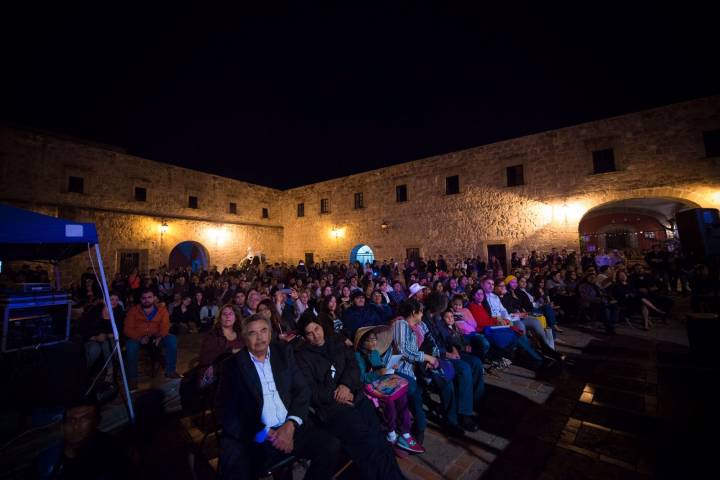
658,153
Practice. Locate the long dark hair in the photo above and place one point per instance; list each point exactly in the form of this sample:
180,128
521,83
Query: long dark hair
275,319
237,326
325,305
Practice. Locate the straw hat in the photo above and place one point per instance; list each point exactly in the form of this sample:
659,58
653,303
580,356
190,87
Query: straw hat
383,333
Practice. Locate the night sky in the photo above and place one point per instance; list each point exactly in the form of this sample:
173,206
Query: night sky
288,97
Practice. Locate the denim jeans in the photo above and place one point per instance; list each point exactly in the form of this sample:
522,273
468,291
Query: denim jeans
478,375
524,344
479,344
93,350
169,344
532,323
415,402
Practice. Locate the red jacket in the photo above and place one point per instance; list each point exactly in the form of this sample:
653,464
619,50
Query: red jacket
481,316
137,324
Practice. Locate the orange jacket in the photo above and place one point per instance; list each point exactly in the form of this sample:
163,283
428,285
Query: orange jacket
137,325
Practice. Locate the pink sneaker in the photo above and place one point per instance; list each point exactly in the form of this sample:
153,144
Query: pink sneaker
409,444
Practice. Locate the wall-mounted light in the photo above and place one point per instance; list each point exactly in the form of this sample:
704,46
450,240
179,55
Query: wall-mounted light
219,235
163,227
337,232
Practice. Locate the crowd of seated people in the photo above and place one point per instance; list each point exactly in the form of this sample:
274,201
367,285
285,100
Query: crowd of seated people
444,324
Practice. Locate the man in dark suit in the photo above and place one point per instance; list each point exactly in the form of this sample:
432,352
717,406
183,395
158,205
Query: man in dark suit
263,403
340,404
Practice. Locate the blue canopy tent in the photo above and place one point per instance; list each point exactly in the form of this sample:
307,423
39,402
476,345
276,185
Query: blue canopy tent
31,236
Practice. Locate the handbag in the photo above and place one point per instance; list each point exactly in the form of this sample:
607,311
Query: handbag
443,374
387,387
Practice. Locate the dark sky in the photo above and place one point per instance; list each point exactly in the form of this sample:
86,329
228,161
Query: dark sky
288,97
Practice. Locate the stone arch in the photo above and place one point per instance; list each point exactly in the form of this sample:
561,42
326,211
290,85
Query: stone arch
632,223
362,253
189,254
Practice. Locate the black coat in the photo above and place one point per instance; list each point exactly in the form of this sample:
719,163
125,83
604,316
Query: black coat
240,397
315,363
512,304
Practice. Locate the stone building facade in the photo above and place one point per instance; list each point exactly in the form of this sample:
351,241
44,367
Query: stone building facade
517,195
659,153
141,208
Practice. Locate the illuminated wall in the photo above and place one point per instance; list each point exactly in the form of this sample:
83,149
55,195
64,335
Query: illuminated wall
658,153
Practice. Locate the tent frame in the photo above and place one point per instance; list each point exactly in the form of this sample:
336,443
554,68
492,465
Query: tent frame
106,296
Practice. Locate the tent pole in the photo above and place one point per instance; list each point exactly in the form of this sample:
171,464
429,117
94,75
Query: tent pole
116,334
56,268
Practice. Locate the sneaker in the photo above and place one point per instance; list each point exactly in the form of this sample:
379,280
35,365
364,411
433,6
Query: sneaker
391,437
468,424
409,444
173,375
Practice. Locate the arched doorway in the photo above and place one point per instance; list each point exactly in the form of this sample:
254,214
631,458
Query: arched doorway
189,254
633,225
362,253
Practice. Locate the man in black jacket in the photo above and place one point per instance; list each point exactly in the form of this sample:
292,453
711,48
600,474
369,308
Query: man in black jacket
334,377
263,403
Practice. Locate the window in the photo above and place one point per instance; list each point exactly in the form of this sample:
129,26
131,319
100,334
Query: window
140,194
265,213
301,210
76,184
412,253
359,200
515,176
712,143
452,185
232,208
649,235
603,161
401,193
129,261
324,205
192,202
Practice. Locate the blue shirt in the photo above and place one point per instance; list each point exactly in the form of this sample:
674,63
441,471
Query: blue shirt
274,412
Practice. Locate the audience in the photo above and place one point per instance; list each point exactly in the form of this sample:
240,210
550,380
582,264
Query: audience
323,336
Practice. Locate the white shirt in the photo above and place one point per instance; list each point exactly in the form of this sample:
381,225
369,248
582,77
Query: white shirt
274,412
497,309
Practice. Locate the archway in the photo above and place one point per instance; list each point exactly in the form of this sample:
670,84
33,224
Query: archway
189,254
633,225
362,253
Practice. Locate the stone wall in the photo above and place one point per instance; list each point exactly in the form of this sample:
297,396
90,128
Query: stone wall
658,153
35,168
